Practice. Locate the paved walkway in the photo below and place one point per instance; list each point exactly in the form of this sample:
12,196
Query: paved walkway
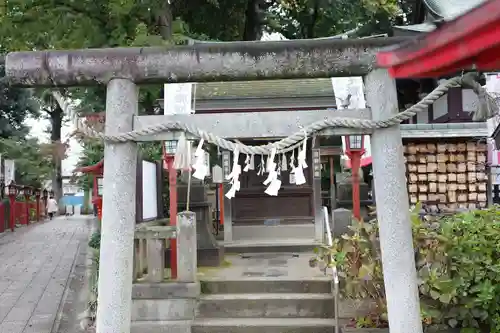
35,267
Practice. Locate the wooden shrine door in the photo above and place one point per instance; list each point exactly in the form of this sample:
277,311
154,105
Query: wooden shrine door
292,205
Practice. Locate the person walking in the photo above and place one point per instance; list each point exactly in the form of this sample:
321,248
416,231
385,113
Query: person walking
52,207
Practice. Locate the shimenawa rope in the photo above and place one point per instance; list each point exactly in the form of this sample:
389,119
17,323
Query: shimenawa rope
487,108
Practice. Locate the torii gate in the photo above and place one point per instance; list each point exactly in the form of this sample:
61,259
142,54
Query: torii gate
121,69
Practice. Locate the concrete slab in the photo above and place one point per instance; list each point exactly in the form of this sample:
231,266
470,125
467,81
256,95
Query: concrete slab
275,266
36,264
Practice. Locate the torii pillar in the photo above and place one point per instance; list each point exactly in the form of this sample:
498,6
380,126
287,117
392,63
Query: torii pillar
122,69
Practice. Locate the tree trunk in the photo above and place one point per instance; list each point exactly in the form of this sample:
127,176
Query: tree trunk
314,18
56,117
165,20
252,21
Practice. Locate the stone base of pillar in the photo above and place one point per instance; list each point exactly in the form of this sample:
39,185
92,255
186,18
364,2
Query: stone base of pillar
210,253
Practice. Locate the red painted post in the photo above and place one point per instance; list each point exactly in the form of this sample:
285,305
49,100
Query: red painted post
355,165
221,203
172,187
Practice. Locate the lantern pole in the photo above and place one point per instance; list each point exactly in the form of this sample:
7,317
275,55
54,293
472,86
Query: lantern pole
27,195
354,150
12,188
45,195
169,149
37,197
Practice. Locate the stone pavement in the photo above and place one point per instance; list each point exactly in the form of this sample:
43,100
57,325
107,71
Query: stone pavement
35,267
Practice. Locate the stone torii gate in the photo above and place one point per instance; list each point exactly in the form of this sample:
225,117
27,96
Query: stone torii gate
122,69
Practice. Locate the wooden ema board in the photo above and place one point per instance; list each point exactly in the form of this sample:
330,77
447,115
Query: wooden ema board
447,176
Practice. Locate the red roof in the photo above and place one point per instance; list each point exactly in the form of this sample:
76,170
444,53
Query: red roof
471,41
96,168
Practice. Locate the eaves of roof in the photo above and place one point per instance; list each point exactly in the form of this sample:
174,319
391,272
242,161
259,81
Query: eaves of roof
265,89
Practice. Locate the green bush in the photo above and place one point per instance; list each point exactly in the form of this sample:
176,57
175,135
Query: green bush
95,240
458,265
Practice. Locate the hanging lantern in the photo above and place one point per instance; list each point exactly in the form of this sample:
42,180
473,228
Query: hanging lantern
12,189
354,143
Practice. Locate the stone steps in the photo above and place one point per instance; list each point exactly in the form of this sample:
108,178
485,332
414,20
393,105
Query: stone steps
295,245
266,285
267,305
263,325
273,232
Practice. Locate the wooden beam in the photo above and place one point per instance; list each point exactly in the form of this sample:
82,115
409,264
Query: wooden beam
276,124
234,61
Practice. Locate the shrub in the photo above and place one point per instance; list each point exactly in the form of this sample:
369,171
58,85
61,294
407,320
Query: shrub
457,261
95,240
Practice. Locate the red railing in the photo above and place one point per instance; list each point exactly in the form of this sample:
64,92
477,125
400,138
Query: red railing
21,215
4,219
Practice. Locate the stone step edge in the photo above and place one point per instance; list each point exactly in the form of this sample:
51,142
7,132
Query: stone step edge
264,322
266,296
266,279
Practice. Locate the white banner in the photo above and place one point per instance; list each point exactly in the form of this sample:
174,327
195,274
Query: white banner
178,98
10,170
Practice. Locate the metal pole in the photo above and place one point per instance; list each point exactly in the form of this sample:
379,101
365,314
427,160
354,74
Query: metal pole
393,211
118,215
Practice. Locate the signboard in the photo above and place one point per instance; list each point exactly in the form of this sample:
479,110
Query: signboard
99,186
149,191
217,175
226,164
178,98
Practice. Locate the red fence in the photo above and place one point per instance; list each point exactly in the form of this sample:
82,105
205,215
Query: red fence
21,216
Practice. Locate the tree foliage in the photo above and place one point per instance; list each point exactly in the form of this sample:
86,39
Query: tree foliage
32,163
324,18
16,104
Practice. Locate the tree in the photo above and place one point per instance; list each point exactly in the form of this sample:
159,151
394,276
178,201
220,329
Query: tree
33,165
324,18
16,105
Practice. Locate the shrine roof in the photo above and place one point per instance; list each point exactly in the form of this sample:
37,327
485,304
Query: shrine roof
450,9
470,41
441,10
96,168
451,130
265,89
